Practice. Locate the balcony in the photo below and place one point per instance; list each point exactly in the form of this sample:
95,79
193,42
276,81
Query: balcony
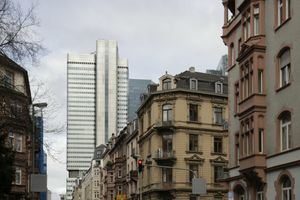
133,175
164,126
163,157
253,166
120,160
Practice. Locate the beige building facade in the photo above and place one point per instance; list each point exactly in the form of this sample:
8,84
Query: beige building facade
182,125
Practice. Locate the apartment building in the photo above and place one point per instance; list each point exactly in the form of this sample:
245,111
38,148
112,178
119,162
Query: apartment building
263,79
182,124
131,160
15,130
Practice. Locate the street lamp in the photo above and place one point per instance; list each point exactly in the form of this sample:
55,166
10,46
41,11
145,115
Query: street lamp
40,106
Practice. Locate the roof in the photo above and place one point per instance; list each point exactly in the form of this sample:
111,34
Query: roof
7,62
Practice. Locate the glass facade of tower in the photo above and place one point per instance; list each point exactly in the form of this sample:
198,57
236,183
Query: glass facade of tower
136,88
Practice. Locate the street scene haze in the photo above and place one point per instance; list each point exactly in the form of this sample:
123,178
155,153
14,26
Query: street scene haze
149,100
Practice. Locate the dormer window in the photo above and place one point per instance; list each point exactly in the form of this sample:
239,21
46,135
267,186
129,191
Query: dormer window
193,84
167,84
219,87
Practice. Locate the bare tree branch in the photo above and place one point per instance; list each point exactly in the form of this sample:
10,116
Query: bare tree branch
18,39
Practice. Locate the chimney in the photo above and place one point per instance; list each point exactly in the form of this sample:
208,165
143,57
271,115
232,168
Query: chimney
192,69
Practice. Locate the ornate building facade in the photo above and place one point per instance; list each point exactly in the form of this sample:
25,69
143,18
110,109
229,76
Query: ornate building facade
182,126
263,47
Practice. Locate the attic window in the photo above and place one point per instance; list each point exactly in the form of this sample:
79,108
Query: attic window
167,84
193,84
219,87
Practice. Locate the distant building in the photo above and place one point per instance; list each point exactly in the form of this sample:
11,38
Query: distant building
96,106
221,69
136,88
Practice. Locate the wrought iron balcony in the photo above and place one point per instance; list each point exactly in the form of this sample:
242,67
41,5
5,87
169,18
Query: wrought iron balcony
164,157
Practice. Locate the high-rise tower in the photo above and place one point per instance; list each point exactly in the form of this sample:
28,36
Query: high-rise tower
97,104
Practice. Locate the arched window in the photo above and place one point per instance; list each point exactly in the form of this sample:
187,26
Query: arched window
284,61
260,193
167,112
286,188
167,84
285,130
239,193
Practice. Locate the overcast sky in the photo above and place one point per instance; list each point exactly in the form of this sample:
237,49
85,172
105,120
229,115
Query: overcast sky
155,36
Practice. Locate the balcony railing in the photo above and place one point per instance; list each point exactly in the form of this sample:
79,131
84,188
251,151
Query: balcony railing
164,157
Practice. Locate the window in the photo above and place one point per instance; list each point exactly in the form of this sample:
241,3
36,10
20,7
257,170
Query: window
194,168
119,189
286,188
167,175
193,142
11,140
193,112
256,21
218,118
218,173
260,82
232,55
246,75
236,99
260,140
285,67
193,84
119,172
18,176
18,146
167,84
283,11
219,87
167,142
167,112
149,118
260,193
246,25
218,145
8,79
285,131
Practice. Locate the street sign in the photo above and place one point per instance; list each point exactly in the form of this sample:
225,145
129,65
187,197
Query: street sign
198,186
38,183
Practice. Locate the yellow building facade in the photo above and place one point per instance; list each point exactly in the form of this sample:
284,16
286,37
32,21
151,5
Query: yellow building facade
182,126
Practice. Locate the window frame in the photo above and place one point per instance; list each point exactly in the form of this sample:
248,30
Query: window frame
286,189
217,173
218,145
18,174
167,175
193,84
193,112
283,12
219,85
167,84
193,142
256,20
167,112
287,126
195,168
218,114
